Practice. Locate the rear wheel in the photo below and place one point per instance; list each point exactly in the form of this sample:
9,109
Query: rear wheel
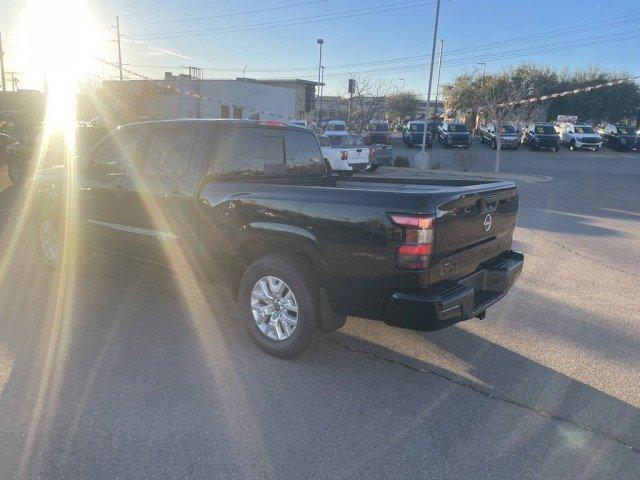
494,145
572,145
280,307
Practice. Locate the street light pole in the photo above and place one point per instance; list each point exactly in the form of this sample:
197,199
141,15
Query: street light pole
435,108
433,56
320,42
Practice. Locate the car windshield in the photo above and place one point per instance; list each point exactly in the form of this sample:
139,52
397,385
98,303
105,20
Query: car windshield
585,129
508,129
626,131
416,127
457,127
545,129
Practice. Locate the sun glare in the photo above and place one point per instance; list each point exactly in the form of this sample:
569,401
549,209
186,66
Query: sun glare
59,41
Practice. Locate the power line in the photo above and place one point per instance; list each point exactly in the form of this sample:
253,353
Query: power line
288,22
605,23
459,61
224,15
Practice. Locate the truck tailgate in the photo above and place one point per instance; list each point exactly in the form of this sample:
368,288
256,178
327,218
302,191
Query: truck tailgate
471,227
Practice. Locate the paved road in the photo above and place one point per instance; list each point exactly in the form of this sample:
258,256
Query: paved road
140,378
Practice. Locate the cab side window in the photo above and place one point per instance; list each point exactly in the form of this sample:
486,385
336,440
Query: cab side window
115,156
169,153
249,151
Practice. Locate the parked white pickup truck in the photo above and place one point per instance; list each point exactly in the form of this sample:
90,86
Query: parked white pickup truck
580,136
345,153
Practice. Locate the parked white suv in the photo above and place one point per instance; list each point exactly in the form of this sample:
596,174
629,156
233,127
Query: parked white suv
578,136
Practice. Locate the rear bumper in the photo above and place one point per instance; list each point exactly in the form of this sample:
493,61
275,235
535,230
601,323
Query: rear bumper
451,302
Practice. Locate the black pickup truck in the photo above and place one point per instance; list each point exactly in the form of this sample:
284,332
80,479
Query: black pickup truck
251,206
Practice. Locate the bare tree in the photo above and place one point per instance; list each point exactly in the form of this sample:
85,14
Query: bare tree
499,101
369,102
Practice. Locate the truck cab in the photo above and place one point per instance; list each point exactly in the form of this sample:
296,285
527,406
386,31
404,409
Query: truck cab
454,134
618,136
580,136
509,138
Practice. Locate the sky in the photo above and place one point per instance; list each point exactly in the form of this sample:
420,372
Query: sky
388,40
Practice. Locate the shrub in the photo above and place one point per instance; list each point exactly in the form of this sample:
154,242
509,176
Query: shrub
401,161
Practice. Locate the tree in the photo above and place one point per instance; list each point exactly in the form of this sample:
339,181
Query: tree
369,100
498,101
402,105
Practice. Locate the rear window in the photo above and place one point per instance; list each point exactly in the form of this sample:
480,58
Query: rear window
346,141
264,151
336,127
416,127
456,127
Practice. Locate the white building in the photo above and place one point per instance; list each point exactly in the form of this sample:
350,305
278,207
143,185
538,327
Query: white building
184,97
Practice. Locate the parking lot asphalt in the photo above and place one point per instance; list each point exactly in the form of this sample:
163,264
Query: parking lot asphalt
138,378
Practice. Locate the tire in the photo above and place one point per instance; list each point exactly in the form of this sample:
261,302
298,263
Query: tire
555,149
46,228
494,145
294,278
481,138
572,145
517,146
532,146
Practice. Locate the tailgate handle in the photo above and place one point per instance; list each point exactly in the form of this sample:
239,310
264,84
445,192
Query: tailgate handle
489,204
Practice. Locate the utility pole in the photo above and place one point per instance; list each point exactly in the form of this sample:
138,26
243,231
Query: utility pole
321,91
119,47
435,108
4,85
320,42
433,56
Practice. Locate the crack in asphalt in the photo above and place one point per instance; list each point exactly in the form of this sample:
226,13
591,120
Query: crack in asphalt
489,395
581,255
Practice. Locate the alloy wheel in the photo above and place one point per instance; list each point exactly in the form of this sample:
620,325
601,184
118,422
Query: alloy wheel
274,308
48,236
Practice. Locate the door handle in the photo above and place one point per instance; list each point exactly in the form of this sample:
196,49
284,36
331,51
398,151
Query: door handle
119,191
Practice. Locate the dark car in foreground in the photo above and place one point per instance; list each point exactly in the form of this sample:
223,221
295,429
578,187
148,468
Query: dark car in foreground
618,137
26,154
539,136
250,205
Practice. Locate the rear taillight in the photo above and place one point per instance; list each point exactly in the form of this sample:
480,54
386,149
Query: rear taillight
372,152
344,155
415,250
